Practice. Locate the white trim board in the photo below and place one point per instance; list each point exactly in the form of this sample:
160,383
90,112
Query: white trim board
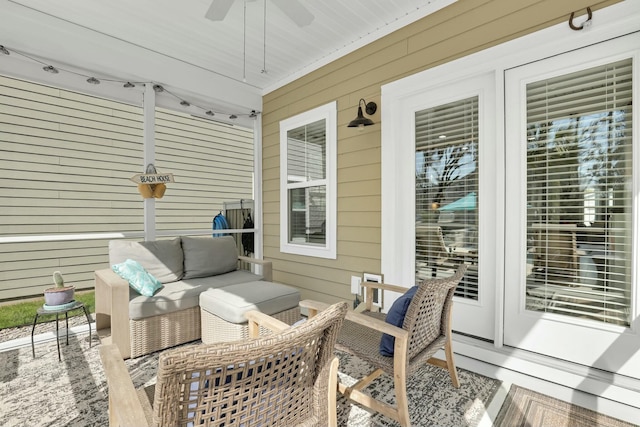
48,336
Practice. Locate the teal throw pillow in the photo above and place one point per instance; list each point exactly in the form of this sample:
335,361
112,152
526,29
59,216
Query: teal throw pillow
139,279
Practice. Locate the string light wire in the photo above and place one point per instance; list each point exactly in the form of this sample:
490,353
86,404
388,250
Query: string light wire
264,38
126,83
244,43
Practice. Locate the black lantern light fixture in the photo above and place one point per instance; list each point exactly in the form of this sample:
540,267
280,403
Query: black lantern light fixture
361,121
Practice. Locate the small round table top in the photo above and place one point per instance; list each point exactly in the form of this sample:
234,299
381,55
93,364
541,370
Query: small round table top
61,308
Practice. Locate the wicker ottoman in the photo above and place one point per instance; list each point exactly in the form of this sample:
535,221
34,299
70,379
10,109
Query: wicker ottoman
222,310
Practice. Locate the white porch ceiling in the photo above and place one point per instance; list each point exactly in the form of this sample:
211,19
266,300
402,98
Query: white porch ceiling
226,64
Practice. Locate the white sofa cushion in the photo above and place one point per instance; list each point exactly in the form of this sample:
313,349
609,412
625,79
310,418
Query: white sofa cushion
209,256
163,259
232,302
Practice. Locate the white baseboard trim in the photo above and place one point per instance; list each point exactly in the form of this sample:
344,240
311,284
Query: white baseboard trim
46,337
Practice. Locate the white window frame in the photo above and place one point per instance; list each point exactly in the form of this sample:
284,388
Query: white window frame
328,113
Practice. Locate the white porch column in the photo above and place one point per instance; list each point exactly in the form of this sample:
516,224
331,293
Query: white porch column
149,148
257,187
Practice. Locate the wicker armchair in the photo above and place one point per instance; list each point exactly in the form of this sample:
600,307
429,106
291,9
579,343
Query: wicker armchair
431,250
283,379
556,258
426,329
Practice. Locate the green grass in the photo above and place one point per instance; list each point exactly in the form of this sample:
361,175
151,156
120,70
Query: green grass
21,313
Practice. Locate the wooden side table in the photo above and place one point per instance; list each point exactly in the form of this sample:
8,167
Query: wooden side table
63,309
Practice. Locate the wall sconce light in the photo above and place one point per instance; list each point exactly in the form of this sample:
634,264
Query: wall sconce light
361,121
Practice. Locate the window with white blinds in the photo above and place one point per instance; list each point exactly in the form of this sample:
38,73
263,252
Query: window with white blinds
579,172
308,175
446,185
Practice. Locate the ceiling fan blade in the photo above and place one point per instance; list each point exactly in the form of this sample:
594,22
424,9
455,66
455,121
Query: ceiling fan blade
295,11
218,9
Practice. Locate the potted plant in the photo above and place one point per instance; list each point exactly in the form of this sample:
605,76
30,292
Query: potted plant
60,294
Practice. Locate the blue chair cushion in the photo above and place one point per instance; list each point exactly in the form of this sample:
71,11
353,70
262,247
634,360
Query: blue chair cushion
139,279
395,317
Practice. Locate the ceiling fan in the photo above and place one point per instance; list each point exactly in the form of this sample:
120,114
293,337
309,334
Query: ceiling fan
297,12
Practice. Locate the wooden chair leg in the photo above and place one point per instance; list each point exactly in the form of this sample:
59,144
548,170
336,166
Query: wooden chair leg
402,402
451,364
333,395
400,364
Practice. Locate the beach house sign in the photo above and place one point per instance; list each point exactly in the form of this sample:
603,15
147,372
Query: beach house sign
152,178
152,184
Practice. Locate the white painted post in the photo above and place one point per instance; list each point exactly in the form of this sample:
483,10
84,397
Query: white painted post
149,144
257,186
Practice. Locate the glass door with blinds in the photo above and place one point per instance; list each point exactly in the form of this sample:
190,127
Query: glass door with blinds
447,192
449,137
569,209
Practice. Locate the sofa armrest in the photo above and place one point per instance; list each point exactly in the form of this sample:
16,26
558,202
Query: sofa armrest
267,268
125,408
112,308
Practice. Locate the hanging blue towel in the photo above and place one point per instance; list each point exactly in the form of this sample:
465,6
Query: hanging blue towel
220,223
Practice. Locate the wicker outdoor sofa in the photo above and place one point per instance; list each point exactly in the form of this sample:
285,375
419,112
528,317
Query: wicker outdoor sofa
186,266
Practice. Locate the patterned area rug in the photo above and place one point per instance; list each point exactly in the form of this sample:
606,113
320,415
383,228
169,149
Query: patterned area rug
47,392
526,408
433,401
73,392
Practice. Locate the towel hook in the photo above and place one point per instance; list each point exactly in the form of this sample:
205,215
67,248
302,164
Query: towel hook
575,27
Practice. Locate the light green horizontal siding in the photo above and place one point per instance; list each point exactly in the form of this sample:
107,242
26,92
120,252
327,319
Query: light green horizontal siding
66,158
26,268
212,163
453,32
66,161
